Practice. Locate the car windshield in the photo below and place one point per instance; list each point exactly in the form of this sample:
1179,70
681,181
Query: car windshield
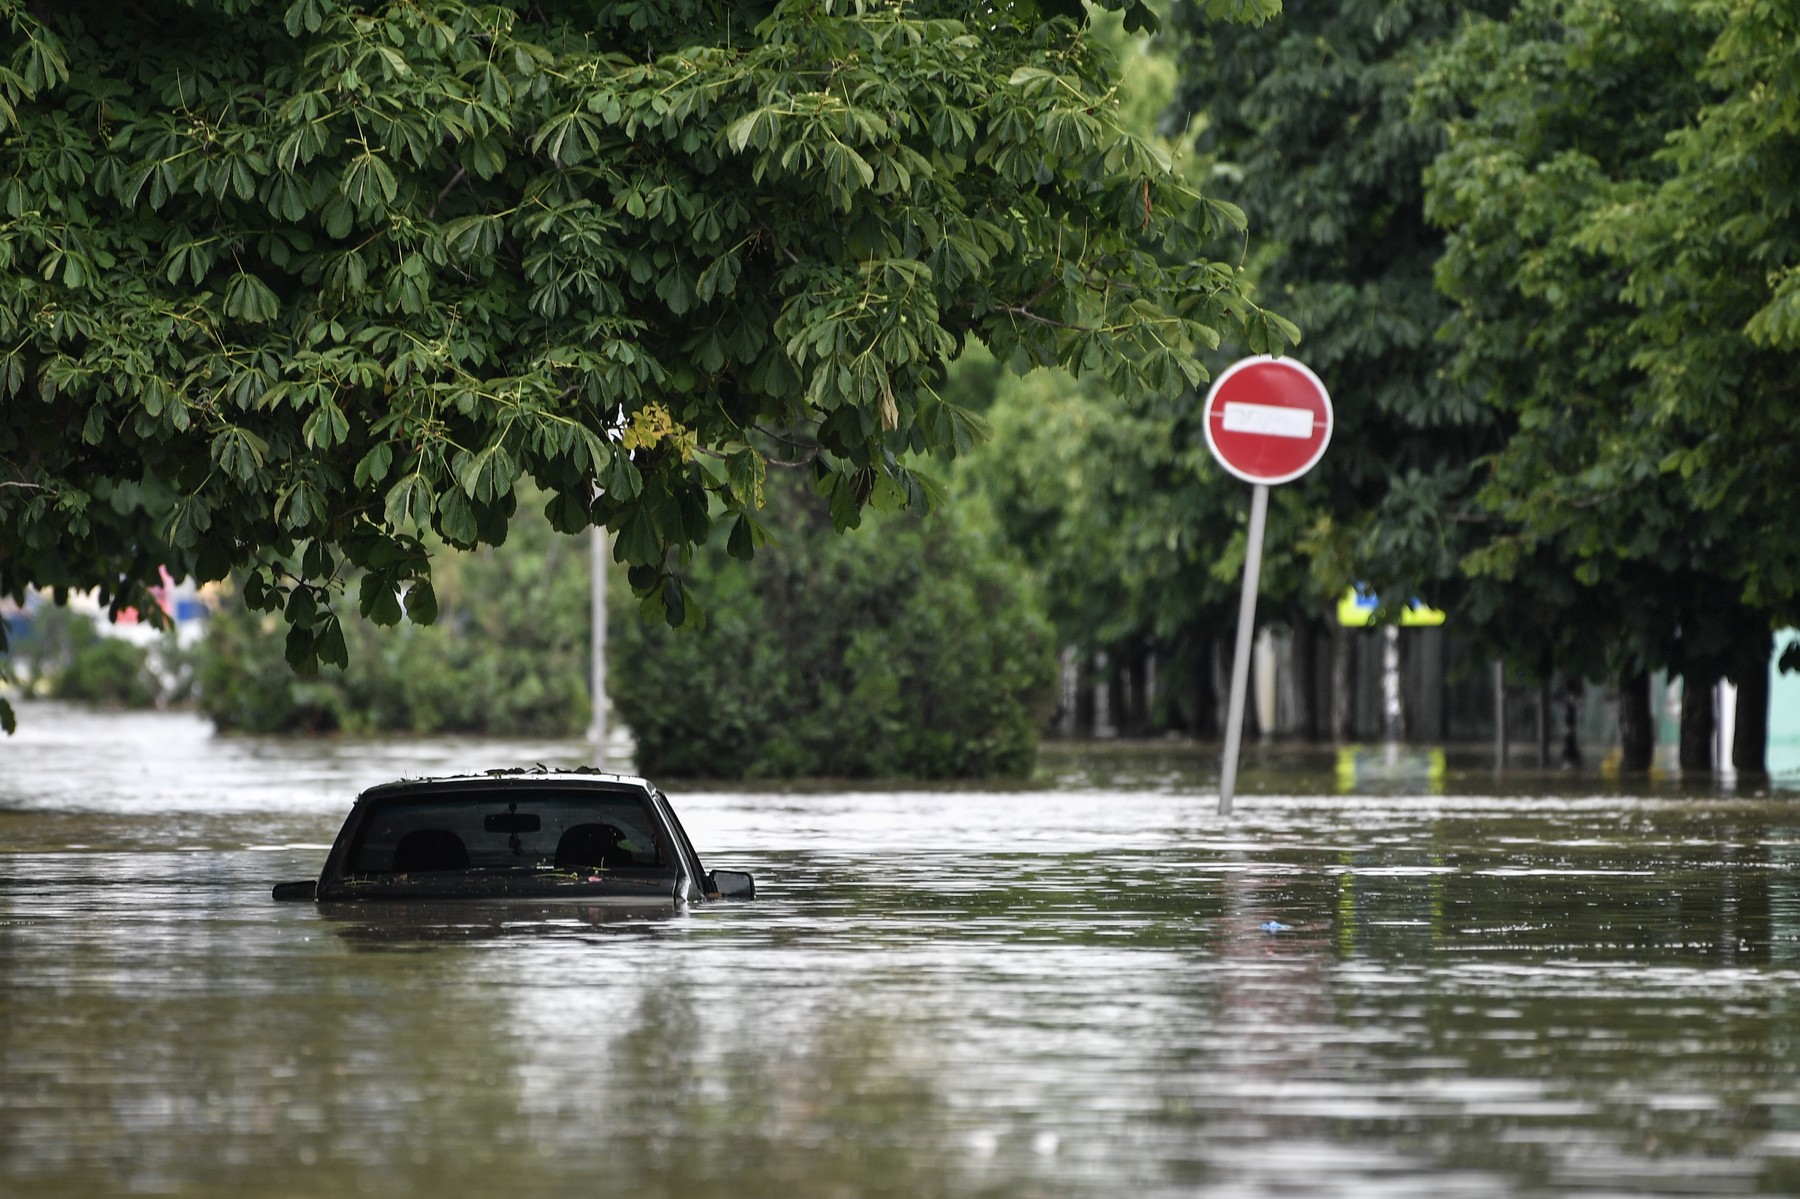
577,833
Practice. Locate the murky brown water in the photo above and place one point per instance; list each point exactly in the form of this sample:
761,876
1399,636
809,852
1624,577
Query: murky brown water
1539,987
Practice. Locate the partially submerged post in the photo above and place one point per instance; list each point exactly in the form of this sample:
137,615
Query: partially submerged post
598,553
1267,421
1498,669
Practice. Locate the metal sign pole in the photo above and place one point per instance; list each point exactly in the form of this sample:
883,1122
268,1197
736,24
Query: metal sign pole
1240,660
597,555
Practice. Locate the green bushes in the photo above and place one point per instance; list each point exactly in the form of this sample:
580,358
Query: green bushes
106,671
908,649
62,655
508,654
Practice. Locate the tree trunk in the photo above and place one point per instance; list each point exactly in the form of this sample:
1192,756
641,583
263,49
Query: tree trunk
1118,715
1205,715
1133,717
1343,655
1543,722
1749,745
1637,727
1084,694
1571,749
1699,725
1306,675
1393,685
1156,718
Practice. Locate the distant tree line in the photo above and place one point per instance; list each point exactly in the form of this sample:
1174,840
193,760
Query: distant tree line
1547,257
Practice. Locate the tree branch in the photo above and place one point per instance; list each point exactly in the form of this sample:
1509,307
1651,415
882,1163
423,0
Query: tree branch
1029,315
461,174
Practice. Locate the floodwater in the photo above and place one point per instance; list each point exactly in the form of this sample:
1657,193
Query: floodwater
1383,975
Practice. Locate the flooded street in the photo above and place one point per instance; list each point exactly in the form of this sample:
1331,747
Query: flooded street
1381,976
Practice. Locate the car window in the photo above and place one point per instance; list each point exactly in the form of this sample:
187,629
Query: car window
504,830
668,809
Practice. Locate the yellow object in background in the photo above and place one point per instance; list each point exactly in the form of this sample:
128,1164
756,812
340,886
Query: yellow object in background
1357,611
1391,769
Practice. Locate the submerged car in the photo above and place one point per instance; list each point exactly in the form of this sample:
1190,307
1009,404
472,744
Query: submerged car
537,834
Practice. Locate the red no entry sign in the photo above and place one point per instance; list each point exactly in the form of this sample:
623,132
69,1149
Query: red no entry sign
1268,420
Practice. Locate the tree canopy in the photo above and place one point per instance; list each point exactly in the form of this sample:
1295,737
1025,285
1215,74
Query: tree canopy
1312,122
1618,187
285,284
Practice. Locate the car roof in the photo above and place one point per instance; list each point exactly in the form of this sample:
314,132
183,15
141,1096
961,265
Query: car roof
539,778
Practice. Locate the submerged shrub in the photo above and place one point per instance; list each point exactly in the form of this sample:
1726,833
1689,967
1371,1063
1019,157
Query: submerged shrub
104,670
508,654
906,649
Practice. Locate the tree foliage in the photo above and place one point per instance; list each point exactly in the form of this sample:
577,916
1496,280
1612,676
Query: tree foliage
1554,114
1591,416
1312,124
1114,498
1138,535
1714,259
1611,262
287,285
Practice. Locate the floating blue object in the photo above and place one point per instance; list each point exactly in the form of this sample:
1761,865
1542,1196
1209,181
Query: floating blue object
1274,926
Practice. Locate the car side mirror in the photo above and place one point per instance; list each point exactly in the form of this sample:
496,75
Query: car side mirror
732,884
308,889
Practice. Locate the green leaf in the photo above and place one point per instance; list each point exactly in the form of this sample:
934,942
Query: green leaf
421,602
846,514
637,541
326,427
302,606
747,536
621,480
409,502
568,512
249,299
297,506
456,518
1039,75
317,562
1141,18
299,650
489,474
378,599
193,517
328,643
374,466
239,452
746,471
674,601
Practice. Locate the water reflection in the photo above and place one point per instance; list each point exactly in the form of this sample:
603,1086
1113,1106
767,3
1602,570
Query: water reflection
412,926
1088,987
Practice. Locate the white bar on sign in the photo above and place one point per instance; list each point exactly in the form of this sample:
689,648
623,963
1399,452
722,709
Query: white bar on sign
1268,419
